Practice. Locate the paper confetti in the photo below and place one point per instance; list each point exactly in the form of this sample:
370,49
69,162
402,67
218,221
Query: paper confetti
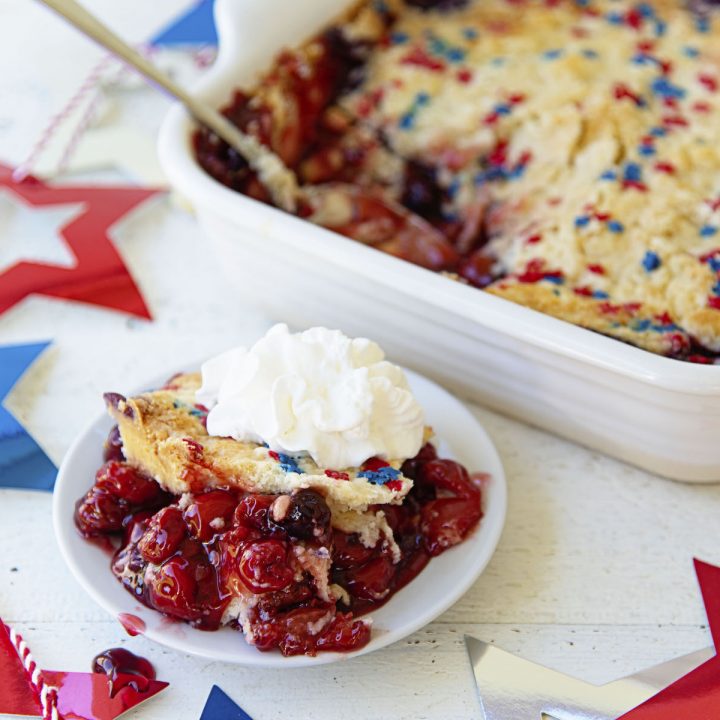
99,275
194,28
22,463
220,707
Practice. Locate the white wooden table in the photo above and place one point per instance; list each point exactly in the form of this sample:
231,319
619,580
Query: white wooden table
593,574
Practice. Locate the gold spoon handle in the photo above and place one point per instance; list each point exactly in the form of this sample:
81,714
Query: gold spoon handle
280,180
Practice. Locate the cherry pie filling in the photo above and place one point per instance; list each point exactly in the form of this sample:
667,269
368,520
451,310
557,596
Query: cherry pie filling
190,557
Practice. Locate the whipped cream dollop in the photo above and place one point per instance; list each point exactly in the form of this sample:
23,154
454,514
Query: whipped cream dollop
317,392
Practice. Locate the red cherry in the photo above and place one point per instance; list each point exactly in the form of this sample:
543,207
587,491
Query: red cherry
370,581
447,521
210,513
112,449
172,587
127,483
252,511
450,476
166,531
135,526
100,513
344,634
349,551
264,566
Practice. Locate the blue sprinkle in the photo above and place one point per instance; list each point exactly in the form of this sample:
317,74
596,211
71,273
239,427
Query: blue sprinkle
399,38
517,172
554,279
455,55
663,87
703,24
615,18
691,52
591,54
553,54
582,221
470,33
381,476
642,59
708,231
615,226
453,188
716,288
651,261
658,132
714,263
647,11
406,121
438,46
642,325
582,3
660,28
646,150
289,465
422,98
609,175
600,295
502,109
632,172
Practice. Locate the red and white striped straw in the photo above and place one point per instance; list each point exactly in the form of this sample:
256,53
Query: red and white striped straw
89,84
46,694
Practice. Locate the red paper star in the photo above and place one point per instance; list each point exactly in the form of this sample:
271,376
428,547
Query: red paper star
695,696
80,696
100,276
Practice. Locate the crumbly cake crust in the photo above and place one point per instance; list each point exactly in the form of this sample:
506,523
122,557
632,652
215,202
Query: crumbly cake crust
164,435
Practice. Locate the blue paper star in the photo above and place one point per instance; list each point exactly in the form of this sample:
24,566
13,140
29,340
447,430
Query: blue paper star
220,707
22,463
196,27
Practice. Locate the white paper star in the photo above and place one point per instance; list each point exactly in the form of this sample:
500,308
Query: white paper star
33,233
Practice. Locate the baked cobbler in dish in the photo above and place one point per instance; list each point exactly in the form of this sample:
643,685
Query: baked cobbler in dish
561,154
214,530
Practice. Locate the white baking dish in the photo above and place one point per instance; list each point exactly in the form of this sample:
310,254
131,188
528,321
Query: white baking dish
660,414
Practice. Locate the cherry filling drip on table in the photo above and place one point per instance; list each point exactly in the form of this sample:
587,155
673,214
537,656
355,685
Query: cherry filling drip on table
124,669
191,558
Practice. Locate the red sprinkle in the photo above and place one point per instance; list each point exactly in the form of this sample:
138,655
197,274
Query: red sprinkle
336,475
274,455
714,204
533,239
709,81
419,57
622,92
646,46
634,19
464,75
664,319
665,167
677,120
702,107
635,185
666,66
394,485
516,98
498,155
714,302
596,268
585,291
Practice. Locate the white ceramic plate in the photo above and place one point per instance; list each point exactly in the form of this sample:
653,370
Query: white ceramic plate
442,583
